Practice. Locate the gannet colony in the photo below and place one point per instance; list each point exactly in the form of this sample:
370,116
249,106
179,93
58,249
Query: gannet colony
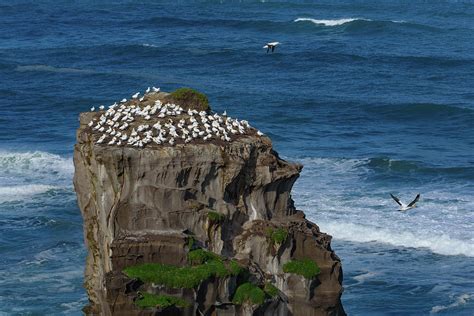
144,121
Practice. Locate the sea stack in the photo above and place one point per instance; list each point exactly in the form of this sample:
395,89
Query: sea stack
196,227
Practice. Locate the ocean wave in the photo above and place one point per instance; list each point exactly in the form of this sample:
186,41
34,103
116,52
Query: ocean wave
20,192
25,174
364,25
37,163
440,244
421,111
460,300
48,68
364,166
334,22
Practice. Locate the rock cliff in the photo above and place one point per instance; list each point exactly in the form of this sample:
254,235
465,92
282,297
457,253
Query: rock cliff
199,228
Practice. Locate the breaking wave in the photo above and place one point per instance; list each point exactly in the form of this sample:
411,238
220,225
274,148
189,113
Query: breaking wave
20,192
334,22
440,244
460,300
26,174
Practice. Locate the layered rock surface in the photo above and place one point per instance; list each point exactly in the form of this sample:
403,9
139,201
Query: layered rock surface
145,205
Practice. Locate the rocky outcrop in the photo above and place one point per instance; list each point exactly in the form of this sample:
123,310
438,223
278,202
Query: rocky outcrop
155,204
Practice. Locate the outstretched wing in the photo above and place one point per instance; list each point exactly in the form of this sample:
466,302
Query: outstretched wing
396,199
415,200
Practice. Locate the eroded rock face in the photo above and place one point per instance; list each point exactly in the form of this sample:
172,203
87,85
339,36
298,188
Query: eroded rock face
143,206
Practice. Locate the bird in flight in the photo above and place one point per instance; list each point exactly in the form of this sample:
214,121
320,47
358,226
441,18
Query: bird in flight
404,207
271,46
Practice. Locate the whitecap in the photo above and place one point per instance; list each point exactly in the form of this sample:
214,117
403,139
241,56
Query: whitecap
437,243
460,300
35,163
20,192
334,22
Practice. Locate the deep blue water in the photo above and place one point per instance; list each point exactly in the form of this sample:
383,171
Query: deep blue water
372,97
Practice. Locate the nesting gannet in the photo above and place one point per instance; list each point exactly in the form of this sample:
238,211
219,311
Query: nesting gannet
147,90
135,95
92,109
101,107
271,46
156,89
404,207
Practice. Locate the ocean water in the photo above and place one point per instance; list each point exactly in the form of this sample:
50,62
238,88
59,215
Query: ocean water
373,97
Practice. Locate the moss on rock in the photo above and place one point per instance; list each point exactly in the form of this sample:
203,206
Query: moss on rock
306,267
249,293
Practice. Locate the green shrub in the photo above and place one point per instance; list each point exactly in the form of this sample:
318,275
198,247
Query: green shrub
190,99
215,217
270,289
306,267
163,301
200,256
206,265
277,236
248,292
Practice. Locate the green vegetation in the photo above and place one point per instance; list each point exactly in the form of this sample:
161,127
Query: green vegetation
306,267
191,242
215,217
205,264
270,289
190,99
163,301
200,256
248,292
277,236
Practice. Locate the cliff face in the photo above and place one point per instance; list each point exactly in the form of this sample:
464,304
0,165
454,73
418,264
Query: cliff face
156,204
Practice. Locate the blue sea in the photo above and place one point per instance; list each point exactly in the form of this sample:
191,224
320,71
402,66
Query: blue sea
373,97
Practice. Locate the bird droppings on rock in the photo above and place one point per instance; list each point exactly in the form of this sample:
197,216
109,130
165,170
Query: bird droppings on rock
153,121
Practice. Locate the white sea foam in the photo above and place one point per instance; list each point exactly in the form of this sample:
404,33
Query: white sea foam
20,192
334,22
441,244
25,174
460,300
340,195
35,163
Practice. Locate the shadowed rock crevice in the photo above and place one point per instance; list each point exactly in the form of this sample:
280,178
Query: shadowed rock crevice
156,205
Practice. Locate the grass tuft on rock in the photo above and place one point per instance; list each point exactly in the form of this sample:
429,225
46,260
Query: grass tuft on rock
205,264
277,236
200,256
248,293
151,300
215,217
190,99
270,289
306,267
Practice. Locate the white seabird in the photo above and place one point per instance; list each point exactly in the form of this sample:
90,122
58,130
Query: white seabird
404,207
271,46
156,89
135,95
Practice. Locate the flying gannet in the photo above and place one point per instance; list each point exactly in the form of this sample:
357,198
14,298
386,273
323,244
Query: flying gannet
404,207
271,46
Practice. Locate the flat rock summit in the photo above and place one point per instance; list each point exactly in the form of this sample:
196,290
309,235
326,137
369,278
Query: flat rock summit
195,226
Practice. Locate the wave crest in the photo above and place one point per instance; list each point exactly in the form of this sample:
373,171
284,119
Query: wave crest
20,192
440,244
334,22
